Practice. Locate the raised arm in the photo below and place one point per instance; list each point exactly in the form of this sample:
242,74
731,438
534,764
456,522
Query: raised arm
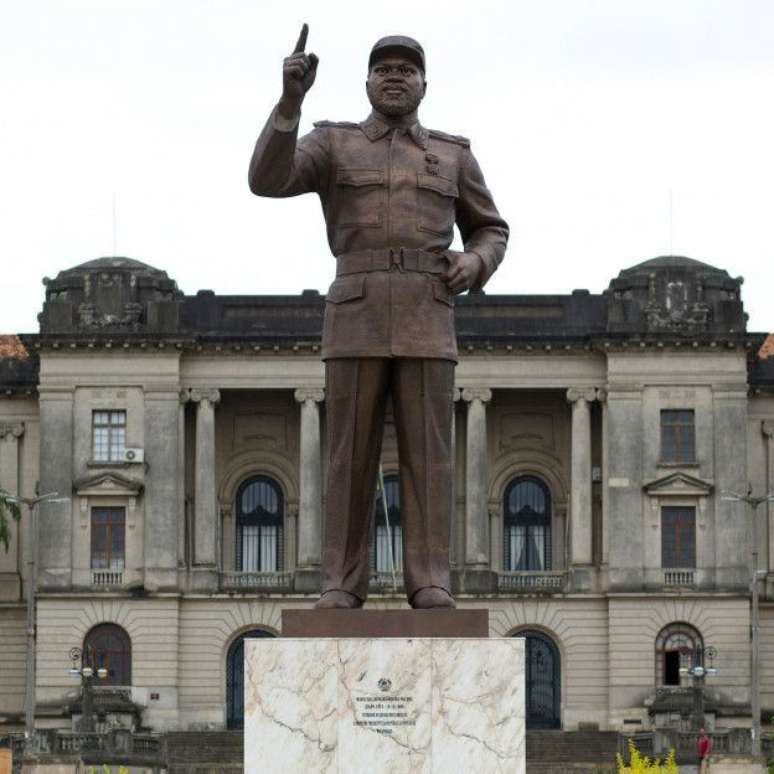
281,164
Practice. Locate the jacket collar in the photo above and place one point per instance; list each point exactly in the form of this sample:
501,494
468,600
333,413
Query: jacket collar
374,128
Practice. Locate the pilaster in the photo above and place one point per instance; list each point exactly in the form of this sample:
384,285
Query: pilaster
767,428
55,520
10,568
162,487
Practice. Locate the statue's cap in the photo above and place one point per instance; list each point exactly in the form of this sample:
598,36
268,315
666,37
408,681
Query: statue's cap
398,45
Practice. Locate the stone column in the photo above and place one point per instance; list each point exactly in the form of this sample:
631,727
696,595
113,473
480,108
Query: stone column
580,491
10,570
478,576
205,509
307,576
767,428
162,487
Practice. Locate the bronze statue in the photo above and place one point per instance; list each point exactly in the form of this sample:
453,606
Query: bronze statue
391,192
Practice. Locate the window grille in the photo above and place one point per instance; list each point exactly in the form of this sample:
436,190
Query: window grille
108,645
260,517
527,525
676,645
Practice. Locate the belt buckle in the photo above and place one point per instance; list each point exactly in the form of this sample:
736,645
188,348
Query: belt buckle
396,259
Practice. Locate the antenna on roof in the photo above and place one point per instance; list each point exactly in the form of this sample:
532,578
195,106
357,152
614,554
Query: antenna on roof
671,207
114,225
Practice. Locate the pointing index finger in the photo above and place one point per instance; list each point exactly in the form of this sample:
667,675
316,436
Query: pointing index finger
301,44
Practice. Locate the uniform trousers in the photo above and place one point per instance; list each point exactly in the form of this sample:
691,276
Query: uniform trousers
356,397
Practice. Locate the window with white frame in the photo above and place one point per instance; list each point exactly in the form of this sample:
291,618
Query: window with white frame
108,434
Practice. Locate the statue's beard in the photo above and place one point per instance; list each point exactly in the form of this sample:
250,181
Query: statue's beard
394,104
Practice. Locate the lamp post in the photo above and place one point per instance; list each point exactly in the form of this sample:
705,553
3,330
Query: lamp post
86,673
755,691
698,670
31,504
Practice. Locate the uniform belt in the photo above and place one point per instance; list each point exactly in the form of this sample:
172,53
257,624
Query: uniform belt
401,258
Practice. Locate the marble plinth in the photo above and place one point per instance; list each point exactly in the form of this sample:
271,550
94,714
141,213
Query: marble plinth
384,705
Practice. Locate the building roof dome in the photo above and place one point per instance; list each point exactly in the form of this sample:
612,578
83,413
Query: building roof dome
112,293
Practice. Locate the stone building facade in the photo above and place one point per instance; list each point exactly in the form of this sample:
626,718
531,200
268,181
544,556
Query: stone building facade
594,437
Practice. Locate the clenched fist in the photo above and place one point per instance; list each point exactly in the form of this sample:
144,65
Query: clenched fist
298,73
463,272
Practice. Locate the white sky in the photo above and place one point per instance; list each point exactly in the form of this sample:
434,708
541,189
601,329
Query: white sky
584,115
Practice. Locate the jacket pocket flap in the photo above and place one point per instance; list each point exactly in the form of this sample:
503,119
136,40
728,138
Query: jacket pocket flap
442,293
359,176
441,185
346,289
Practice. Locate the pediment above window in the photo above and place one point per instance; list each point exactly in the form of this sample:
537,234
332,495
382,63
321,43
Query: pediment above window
107,485
679,485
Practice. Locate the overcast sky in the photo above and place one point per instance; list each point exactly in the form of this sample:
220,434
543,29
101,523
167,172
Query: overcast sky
587,118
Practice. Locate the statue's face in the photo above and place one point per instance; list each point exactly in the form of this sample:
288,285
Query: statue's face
395,86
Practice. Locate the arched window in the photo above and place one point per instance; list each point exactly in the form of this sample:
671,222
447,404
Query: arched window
108,645
259,519
235,678
527,525
676,647
388,536
542,675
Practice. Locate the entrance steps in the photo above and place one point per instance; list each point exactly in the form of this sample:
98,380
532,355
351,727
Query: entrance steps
574,752
203,752
548,752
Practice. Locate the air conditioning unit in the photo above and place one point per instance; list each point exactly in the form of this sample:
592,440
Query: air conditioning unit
134,455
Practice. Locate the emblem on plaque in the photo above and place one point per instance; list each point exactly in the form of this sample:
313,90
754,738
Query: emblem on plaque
384,684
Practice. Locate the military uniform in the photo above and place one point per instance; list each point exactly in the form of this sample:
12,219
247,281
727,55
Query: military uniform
390,198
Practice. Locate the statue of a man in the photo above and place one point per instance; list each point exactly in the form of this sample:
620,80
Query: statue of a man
391,192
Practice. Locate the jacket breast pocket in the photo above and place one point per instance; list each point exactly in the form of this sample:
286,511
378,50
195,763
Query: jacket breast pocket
436,200
360,197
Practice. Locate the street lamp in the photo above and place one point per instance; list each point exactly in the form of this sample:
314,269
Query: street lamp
755,693
703,665
86,673
29,699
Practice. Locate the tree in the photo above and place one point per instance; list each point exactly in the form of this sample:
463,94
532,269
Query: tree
8,510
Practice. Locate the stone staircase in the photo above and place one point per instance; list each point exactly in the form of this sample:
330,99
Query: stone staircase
548,752
203,752
571,752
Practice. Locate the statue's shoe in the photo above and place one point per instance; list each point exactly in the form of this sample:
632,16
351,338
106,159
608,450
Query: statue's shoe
431,596
338,599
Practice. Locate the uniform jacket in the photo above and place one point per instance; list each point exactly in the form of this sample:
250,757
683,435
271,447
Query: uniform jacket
383,188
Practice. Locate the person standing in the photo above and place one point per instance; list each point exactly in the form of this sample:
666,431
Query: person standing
703,750
391,193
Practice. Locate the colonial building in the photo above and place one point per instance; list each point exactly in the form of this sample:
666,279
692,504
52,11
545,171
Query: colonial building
595,435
